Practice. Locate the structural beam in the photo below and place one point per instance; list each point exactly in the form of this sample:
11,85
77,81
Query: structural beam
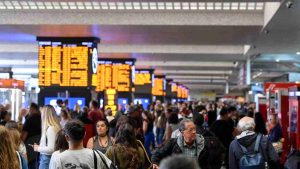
109,17
124,48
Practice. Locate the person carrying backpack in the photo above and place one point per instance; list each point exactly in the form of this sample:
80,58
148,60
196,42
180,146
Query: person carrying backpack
251,150
214,151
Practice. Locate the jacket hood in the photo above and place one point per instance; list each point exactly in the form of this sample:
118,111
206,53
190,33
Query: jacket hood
247,140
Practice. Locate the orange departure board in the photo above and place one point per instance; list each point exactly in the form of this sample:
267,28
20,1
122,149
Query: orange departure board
112,75
159,87
174,87
184,93
142,78
66,64
179,92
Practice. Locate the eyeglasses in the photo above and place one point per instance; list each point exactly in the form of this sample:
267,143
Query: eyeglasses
191,130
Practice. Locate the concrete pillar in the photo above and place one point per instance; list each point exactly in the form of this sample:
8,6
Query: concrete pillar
227,88
248,71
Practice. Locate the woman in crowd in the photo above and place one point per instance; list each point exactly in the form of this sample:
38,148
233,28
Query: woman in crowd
9,157
172,125
65,117
125,153
260,126
13,127
148,120
161,121
102,140
50,128
275,133
60,146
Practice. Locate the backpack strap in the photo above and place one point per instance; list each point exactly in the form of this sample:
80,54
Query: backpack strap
257,143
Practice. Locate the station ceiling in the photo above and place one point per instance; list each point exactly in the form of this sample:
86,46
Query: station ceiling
200,44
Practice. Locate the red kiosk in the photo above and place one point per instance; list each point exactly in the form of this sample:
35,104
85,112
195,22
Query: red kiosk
278,103
294,116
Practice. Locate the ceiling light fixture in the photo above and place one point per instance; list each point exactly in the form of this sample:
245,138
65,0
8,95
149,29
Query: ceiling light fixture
177,6
297,53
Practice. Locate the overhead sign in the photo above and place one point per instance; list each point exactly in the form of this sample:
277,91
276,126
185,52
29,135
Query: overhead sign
66,61
272,86
114,74
12,83
144,81
143,77
159,86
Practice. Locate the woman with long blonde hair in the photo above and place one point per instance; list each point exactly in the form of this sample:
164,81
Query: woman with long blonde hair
8,155
50,128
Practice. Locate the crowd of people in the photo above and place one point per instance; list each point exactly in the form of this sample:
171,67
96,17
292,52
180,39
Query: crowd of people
203,135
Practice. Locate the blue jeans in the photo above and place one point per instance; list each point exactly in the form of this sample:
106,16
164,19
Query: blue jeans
149,139
159,135
44,161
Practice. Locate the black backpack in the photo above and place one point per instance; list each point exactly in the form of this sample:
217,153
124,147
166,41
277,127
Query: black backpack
252,160
215,150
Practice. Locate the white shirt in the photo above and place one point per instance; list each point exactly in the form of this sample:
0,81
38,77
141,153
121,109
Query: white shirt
54,158
83,158
48,148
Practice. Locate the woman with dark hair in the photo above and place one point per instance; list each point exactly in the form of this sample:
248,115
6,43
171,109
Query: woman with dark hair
102,140
60,146
148,131
172,125
65,117
260,126
126,153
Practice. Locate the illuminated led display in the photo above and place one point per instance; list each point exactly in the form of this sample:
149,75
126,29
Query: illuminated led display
111,95
179,92
182,92
112,75
66,63
142,78
174,87
158,88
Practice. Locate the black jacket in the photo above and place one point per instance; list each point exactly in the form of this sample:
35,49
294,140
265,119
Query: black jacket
266,148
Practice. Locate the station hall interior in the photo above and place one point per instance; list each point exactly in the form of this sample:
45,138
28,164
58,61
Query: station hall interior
123,52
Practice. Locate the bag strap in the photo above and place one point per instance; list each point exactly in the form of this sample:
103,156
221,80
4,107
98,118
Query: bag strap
114,155
256,147
103,160
257,143
95,159
20,160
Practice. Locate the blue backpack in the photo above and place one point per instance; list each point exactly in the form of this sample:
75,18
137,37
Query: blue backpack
253,160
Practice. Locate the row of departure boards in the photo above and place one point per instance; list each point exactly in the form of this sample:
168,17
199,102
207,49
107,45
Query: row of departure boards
67,65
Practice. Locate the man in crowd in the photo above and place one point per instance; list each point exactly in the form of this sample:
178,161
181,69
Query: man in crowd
95,114
188,144
248,139
224,131
31,132
185,113
73,157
